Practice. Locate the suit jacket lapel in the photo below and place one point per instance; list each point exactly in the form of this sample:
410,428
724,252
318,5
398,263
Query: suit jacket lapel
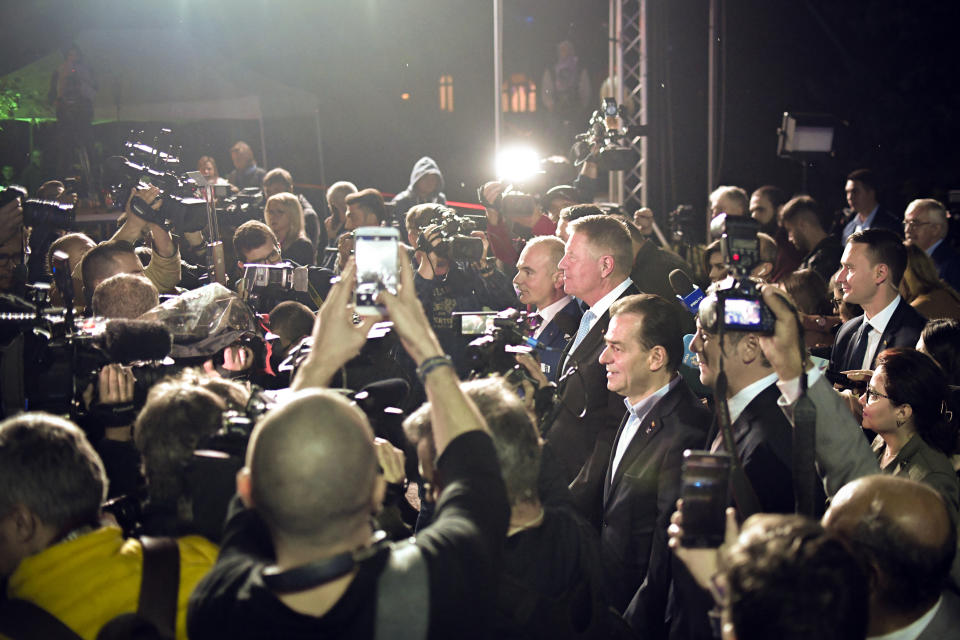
651,425
606,479
888,332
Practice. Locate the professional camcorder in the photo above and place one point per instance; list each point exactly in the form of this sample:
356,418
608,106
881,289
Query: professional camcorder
248,204
48,214
143,165
503,335
451,240
740,307
607,134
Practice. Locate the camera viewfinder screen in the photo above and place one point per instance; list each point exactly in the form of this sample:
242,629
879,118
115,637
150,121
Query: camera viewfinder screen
377,261
742,312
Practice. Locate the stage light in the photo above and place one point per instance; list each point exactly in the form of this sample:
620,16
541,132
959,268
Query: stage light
404,96
802,134
517,164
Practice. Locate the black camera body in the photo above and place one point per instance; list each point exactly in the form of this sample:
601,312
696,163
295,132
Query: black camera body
144,165
607,133
740,307
493,352
246,205
454,241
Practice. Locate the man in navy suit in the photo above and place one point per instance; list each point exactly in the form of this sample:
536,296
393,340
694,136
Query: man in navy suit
871,267
596,267
925,225
633,503
539,284
861,190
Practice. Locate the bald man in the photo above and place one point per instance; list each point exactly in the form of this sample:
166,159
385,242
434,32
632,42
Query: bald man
300,557
903,529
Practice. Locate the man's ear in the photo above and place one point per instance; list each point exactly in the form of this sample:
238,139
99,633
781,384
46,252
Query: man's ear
881,273
244,487
606,265
657,358
558,280
25,523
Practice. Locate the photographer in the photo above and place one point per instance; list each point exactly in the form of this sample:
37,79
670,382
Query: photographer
308,490
255,243
445,285
513,217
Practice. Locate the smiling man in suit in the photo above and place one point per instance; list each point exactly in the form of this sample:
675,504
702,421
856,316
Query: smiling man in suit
539,284
871,267
596,267
638,492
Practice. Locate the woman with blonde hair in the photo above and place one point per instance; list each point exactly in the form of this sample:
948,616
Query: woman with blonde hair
284,216
922,287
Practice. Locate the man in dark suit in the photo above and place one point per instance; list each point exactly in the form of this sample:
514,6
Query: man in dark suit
595,267
801,218
904,530
925,225
638,493
861,190
763,442
871,267
539,284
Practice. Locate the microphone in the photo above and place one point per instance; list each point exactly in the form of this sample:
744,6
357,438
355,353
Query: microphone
127,341
689,294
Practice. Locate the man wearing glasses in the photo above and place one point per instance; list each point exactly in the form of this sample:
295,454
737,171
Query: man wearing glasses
925,225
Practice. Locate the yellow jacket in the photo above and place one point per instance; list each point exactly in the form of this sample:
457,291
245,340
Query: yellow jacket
87,581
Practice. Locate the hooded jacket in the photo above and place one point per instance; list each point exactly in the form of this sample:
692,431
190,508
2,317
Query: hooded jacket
408,197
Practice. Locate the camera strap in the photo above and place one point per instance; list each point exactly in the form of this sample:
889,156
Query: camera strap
319,572
805,479
743,493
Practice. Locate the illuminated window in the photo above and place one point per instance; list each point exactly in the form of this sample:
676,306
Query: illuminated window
446,93
519,94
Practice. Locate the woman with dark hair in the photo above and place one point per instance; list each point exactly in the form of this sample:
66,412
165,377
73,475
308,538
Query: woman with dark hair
906,405
922,287
940,339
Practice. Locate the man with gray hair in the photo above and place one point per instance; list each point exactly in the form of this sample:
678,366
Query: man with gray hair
925,224
54,552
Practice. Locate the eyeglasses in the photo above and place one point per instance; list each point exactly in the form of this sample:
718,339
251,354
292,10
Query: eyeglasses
873,394
836,302
912,224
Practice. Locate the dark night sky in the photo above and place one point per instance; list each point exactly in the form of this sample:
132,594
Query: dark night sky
882,66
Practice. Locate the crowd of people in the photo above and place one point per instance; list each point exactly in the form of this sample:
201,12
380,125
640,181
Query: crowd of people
318,473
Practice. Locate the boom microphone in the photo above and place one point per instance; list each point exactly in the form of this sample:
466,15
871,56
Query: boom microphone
688,293
127,341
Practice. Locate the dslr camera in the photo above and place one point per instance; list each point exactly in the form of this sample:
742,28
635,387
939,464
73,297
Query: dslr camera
501,336
740,307
606,131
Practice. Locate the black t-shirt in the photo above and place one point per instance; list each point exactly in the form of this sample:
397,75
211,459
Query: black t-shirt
462,549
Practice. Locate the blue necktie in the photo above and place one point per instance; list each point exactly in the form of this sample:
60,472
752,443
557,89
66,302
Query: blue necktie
583,330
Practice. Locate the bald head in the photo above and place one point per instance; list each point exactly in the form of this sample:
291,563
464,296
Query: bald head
313,468
905,530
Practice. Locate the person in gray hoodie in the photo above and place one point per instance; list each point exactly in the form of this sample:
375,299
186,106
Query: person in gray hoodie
426,186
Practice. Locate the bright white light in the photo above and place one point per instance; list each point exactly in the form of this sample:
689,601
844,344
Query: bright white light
516,164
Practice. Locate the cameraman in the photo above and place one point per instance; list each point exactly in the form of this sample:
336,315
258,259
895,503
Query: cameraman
445,286
164,267
513,218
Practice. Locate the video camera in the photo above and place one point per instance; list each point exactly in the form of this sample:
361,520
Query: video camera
454,241
503,335
143,165
247,204
62,356
606,132
740,307
48,214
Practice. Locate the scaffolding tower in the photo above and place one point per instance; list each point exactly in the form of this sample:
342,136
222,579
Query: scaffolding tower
628,70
